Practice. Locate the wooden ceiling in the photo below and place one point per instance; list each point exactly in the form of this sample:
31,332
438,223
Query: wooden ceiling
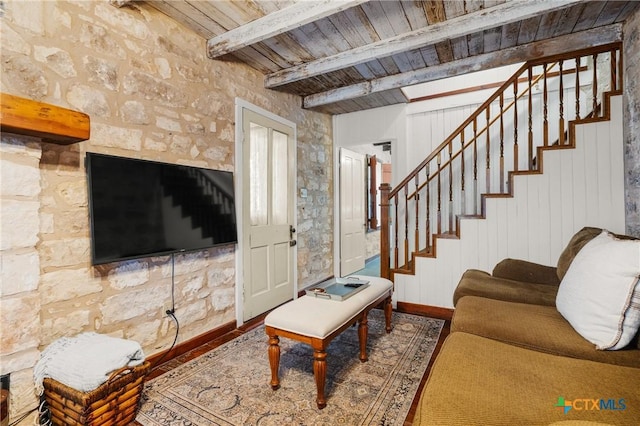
350,55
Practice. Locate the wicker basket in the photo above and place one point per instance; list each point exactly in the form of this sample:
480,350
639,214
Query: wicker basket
116,402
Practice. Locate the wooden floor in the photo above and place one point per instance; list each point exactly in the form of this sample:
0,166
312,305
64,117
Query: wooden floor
169,365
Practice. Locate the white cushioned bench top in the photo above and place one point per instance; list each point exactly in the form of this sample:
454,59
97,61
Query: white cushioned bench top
319,317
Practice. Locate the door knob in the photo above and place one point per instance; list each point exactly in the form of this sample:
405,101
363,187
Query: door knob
292,243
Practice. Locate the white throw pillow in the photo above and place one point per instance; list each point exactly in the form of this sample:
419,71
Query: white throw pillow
600,293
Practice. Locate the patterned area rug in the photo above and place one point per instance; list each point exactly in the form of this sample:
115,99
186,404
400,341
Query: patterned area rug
230,384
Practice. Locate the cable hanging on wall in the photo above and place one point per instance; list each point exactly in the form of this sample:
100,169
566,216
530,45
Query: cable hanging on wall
171,312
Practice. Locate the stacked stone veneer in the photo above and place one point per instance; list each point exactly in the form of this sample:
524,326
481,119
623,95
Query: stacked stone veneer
372,242
151,93
631,45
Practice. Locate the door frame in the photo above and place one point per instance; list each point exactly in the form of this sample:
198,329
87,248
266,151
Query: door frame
241,104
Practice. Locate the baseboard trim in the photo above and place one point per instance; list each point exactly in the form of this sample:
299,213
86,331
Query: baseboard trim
374,257
425,310
184,347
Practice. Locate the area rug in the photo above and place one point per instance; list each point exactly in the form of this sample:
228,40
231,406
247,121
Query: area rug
230,384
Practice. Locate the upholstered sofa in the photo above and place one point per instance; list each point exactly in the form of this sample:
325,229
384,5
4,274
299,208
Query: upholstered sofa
512,358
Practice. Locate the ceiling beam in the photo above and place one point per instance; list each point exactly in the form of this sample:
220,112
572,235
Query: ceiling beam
274,24
460,26
549,47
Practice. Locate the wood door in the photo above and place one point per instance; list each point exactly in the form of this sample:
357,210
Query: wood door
268,213
352,211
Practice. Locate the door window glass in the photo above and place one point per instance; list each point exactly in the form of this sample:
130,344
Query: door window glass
258,170
280,181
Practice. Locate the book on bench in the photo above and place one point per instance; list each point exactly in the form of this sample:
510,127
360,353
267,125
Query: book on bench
338,288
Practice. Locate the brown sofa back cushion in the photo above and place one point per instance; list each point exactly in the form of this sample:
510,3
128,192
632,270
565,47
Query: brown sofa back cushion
536,327
578,241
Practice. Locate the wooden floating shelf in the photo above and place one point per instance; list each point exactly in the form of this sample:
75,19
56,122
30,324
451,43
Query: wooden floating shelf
49,122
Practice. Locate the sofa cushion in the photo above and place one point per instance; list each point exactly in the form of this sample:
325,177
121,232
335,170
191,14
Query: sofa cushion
522,270
480,283
578,241
536,327
480,381
600,295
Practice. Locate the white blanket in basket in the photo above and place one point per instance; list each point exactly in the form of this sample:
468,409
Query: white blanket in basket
86,361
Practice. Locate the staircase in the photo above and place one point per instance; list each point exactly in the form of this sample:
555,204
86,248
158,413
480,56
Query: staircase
491,168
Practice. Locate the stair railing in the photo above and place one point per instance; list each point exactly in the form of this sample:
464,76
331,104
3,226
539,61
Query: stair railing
544,94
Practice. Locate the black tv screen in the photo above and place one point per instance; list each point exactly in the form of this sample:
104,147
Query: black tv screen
142,208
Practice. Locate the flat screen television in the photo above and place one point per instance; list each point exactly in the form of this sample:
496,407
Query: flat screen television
141,208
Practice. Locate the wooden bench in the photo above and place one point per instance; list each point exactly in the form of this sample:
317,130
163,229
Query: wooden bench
316,321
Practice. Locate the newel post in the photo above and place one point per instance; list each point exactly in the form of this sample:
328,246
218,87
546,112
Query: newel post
385,248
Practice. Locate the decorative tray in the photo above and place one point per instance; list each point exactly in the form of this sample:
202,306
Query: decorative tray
338,288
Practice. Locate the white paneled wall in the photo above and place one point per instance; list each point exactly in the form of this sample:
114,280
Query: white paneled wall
579,187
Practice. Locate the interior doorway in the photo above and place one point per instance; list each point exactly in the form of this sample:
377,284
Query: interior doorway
357,252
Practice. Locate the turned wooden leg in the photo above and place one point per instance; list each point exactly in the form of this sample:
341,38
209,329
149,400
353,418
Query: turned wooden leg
363,330
274,361
320,373
387,313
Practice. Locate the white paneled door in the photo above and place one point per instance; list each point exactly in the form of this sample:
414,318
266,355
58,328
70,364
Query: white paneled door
352,211
268,216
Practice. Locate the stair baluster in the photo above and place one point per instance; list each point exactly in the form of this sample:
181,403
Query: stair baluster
488,148
396,252
561,106
545,107
406,224
515,126
612,63
594,90
417,198
450,229
530,116
475,166
578,88
428,209
462,193
502,143
439,196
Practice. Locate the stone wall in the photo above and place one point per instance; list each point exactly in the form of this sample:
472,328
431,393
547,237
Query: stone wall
631,31
372,241
151,93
